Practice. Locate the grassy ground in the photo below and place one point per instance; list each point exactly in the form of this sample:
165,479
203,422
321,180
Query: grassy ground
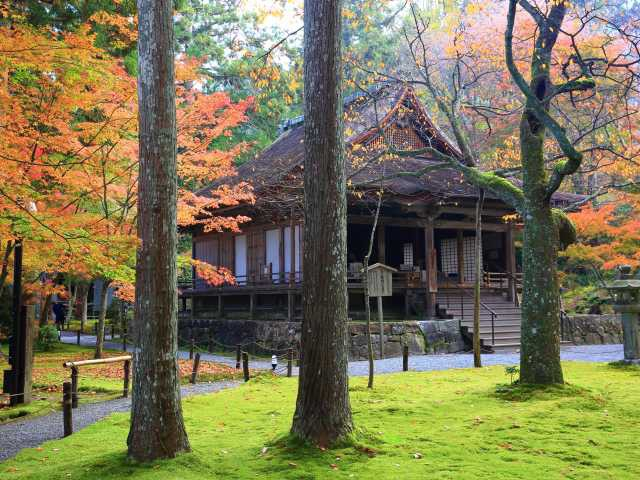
436,425
95,382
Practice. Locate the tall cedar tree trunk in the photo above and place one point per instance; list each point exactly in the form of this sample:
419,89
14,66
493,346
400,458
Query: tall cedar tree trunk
102,317
477,358
540,337
157,426
323,412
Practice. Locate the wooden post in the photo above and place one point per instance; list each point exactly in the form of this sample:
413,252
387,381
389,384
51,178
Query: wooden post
511,263
406,304
192,348
281,274
196,366
238,354
127,370
291,305
431,267
382,249
124,340
381,321
405,358
292,260
290,362
78,337
245,366
252,305
74,387
461,257
67,406
220,306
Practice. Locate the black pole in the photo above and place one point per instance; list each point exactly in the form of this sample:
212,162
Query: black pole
18,337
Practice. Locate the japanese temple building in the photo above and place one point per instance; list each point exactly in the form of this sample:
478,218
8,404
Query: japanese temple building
426,227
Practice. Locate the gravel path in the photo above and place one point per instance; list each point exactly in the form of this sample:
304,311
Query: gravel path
29,433
420,363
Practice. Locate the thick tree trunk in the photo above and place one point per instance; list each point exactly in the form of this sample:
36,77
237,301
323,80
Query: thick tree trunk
102,317
540,330
323,412
157,426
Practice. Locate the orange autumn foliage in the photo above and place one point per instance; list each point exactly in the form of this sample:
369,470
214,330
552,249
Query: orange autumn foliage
609,234
69,150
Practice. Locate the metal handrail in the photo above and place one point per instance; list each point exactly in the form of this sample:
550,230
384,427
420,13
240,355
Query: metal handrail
493,318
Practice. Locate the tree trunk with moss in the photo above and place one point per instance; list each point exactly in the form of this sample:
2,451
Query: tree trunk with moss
540,329
545,229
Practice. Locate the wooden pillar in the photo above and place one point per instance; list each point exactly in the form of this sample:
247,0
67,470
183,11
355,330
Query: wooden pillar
220,306
406,304
281,275
510,250
461,256
292,259
291,306
431,267
382,248
252,305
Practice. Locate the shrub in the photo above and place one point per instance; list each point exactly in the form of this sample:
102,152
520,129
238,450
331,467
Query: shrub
47,338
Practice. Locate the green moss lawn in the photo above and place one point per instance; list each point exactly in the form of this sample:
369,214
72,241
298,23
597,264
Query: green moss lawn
436,425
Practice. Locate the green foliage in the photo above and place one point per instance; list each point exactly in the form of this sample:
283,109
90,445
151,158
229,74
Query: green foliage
588,299
512,371
47,338
131,63
441,425
233,40
566,230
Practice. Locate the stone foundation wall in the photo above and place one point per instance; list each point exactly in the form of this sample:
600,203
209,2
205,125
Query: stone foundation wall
442,336
593,329
422,337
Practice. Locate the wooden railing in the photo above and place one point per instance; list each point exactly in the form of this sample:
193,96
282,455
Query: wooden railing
261,278
501,279
401,279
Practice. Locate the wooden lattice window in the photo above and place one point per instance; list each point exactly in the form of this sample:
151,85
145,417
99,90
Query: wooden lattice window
400,138
407,254
449,256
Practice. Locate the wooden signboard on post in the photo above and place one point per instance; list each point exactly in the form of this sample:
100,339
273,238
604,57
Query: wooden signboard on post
380,282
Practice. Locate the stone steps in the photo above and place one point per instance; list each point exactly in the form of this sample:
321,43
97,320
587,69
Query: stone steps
501,331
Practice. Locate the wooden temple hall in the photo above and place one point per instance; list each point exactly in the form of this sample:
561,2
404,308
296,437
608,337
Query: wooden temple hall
426,226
